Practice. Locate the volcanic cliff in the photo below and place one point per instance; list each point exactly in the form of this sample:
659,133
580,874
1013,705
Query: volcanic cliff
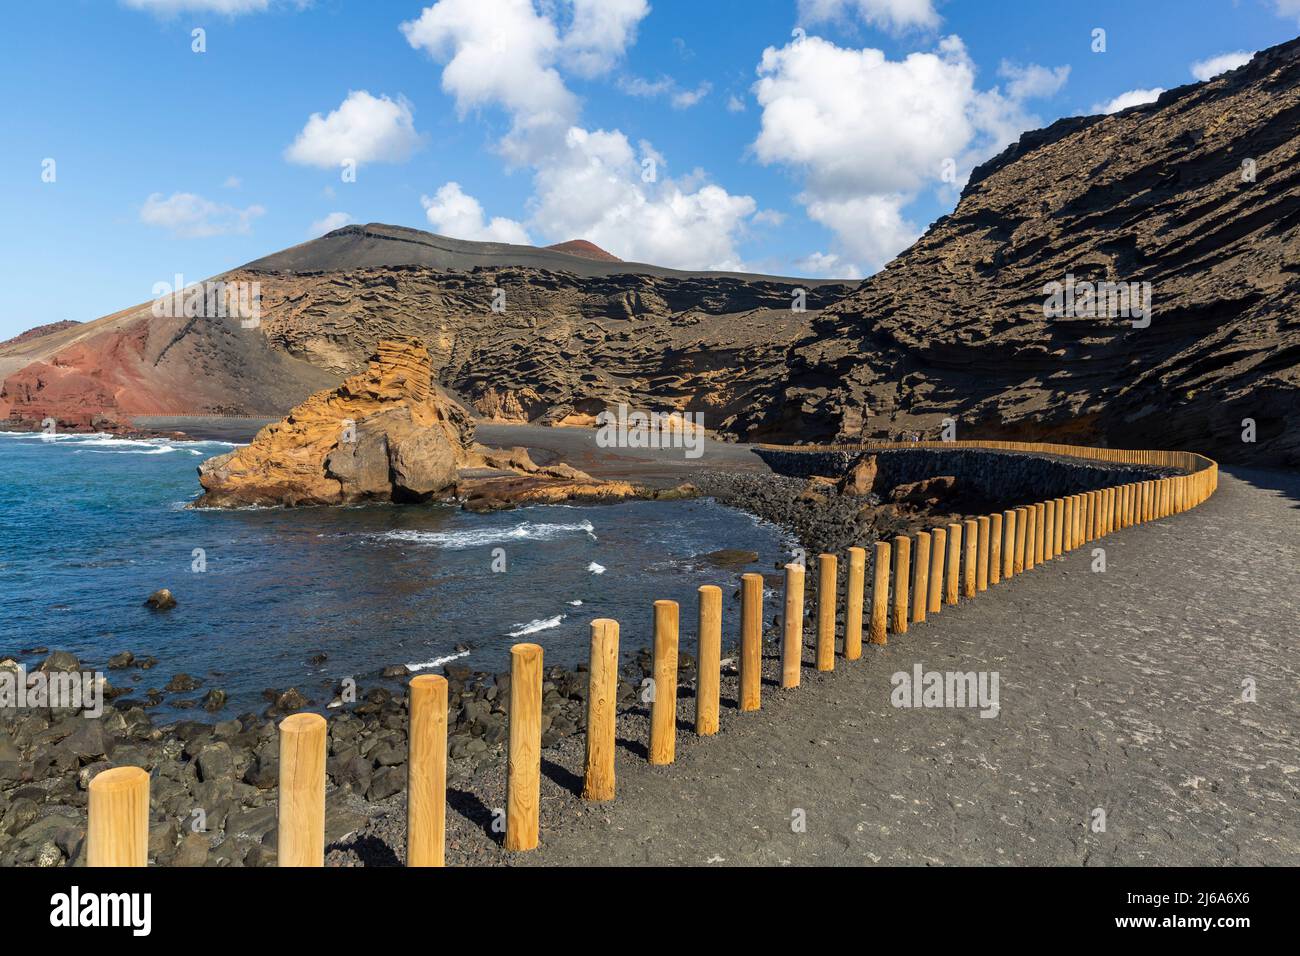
1197,194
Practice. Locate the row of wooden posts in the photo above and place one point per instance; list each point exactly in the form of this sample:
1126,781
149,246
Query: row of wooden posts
928,570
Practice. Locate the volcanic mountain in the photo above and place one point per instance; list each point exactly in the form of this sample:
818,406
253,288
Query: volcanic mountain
520,333
1193,200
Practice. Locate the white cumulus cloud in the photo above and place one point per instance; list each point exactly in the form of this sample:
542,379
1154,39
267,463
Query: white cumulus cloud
588,184
190,216
453,213
1131,98
868,133
1211,67
599,33
364,129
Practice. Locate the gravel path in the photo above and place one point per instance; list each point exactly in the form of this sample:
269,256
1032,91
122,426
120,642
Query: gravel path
1119,691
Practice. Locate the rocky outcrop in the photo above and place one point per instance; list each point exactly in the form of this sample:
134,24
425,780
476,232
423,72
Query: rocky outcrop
387,433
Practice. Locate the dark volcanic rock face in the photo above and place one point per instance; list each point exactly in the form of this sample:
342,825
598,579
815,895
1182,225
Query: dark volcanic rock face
564,347
1160,194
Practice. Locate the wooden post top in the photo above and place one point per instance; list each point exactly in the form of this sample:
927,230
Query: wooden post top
118,779
302,723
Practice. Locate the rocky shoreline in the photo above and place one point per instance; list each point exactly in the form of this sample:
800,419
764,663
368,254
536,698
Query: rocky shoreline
214,784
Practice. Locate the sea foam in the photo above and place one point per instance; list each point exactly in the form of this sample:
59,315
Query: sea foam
478,537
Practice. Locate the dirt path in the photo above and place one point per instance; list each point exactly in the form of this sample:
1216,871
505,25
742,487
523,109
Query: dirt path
1119,691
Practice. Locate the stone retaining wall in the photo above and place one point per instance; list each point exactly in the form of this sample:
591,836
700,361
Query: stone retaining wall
997,475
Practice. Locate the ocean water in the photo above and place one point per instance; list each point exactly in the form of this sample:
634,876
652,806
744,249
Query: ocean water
91,525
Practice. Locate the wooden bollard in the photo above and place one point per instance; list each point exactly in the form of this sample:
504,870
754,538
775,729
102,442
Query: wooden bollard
1030,517
426,771
1058,526
117,832
938,554
982,554
902,573
1022,536
1146,500
1040,531
300,818
524,765
880,593
1081,515
853,604
1009,522
792,626
1067,525
970,538
708,667
995,549
952,577
921,577
1049,528
827,571
1050,548
751,641
663,709
602,703
1091,533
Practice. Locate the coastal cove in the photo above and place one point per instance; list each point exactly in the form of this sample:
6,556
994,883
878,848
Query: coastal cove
278,598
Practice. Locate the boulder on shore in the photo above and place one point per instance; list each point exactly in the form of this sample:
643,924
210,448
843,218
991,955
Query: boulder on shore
386,434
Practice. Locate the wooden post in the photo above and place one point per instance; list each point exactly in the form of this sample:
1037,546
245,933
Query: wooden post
663,709
938,553
426,771
301,813
1022,536
709,666
792,626
880,593
1010,529
970,535
1040,530
751,641
952,580
1067,524
117,831
827,570
1030,517
524,766
921,577
982,554
1090,534
853,604
902,572
602,703
995,548
1049,530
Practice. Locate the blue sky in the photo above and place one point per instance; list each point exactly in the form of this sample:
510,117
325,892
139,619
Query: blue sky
692,133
